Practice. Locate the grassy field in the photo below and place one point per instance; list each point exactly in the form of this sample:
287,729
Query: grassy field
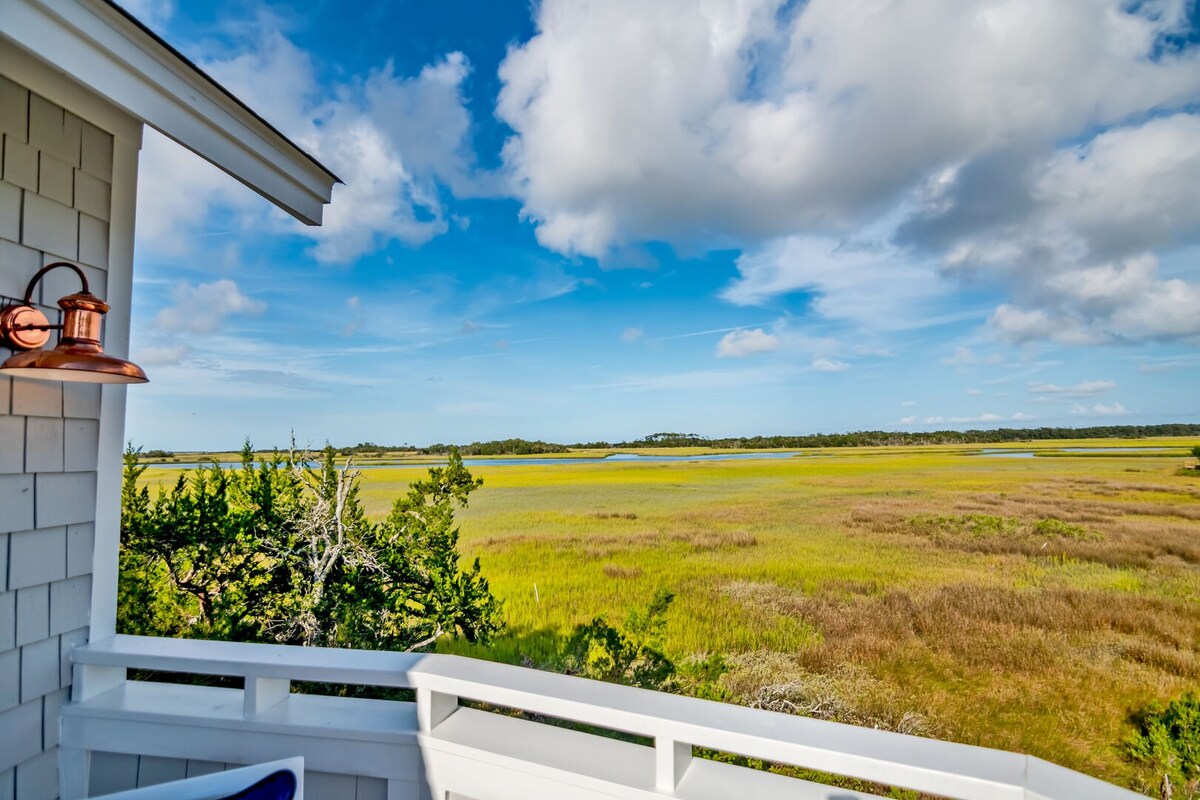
1028,604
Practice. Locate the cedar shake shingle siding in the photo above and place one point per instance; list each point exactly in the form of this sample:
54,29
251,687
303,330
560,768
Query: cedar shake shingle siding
55,199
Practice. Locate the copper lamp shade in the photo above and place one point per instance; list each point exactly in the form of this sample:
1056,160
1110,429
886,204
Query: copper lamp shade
78,356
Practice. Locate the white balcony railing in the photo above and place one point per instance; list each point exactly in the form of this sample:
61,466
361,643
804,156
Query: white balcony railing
445,746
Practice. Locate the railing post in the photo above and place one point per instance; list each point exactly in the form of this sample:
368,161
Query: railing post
262,693
74,772
90,680
671,760
433,707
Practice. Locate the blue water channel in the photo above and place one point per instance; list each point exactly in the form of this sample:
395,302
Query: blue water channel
615,458
637,458
1004,453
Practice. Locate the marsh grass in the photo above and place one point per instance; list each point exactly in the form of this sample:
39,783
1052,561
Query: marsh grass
1026,604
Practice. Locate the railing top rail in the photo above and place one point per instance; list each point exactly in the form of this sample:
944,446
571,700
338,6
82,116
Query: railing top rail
931,765
244,659
888,757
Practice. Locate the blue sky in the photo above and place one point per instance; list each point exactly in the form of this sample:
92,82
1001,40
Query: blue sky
596,220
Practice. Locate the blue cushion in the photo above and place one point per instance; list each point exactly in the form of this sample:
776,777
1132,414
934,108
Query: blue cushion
279,785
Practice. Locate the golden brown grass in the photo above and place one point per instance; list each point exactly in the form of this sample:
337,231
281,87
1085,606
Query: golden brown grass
873,585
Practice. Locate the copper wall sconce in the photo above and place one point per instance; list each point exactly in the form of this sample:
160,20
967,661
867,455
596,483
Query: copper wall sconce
78,356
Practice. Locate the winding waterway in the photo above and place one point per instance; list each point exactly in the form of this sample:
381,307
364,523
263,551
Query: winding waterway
565,461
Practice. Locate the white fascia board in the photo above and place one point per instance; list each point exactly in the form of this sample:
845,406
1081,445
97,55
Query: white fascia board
97,46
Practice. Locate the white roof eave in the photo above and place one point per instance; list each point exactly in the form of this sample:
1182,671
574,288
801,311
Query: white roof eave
114,56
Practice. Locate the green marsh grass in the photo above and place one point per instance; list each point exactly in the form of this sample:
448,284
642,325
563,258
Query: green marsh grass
1029,604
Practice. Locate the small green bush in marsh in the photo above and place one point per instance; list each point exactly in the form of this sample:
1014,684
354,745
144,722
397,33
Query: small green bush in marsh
1167,740
1058,529
971,525
982,526
634,654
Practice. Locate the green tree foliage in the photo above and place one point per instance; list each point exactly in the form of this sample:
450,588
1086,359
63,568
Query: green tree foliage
634,655
631,656
1196,451
281,550
905,438
1167,740
498,447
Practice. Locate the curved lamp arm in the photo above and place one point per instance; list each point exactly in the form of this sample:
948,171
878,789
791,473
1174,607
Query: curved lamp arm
41,273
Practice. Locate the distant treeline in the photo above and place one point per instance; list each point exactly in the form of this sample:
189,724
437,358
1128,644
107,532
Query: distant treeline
888,438
522,447
500,447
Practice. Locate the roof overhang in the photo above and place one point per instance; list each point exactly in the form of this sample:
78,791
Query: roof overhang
105,49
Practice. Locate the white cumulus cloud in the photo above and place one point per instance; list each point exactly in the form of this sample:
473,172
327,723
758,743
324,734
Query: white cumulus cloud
1100,410
868,284
853,163
1075,235
741,343
1081,389
829,365
1115,302
203,308
393,139
746,119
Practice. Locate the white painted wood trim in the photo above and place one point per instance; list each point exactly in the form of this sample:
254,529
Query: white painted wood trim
109,463
263,693
96,45
433,708
40,78
319,664
90,681
671,761
464,749
74,771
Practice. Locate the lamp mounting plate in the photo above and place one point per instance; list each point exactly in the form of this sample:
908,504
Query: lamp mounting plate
23,328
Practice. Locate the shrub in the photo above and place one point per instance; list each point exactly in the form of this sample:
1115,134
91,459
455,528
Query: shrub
1167,740
1056,528
633,655
967,527
281,551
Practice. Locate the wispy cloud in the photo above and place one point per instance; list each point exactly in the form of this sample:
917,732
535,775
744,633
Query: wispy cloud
1153,365
1081,389
829,365
695,380
203,308
277,377
1100,410
709,332
161,356
631,335
985,418
742,343
966,357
